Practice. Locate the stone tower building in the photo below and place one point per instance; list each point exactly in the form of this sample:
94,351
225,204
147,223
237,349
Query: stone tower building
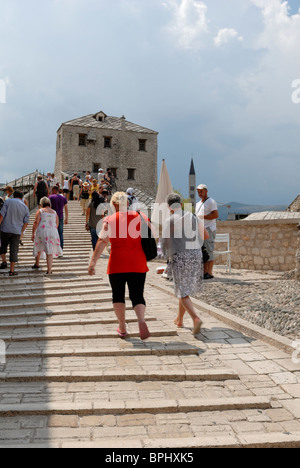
99,141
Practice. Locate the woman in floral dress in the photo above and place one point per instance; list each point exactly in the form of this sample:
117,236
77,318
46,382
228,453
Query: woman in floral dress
45,235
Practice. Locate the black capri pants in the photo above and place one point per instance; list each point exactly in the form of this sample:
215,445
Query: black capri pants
136,285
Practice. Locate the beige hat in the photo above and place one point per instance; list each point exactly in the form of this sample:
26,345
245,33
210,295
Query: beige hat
202,187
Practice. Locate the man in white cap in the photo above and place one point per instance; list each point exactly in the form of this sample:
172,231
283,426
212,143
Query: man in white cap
100,175
207,210
133,201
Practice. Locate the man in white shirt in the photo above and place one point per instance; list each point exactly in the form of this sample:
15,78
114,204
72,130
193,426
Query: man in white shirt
207,209
100,175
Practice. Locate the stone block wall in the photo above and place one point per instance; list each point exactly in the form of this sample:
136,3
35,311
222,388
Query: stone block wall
298,256
261,245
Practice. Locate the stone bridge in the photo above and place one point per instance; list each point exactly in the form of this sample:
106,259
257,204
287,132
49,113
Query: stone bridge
67,380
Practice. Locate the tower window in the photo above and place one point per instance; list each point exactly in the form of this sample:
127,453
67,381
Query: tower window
142,145
82,139
131,174
96,167
107,142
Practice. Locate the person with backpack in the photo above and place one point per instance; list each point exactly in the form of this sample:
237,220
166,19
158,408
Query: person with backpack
41,189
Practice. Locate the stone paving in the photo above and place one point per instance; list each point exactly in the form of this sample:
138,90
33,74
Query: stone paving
69,381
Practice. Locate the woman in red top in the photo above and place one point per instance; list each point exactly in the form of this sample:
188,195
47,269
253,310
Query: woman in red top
127,262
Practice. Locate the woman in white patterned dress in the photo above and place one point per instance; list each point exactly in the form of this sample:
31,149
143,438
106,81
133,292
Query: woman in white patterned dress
45,235
183,236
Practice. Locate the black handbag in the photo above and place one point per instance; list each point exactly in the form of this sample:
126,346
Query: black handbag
205,254
148,242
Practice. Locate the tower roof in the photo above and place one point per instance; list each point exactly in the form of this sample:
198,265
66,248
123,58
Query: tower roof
192,169
107,122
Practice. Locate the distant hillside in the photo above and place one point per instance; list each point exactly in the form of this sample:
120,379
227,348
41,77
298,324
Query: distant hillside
240,208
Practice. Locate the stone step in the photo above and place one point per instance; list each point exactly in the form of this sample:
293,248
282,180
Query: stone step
79,437
183,375
65,320
161,362
69,253
80,246
27,274
65,310
38,284
58,266
93,290
66,300
244,440
73,258
58,271
172,346
83,332
94,407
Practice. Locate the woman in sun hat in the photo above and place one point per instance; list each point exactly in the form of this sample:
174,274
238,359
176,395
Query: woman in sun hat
84,197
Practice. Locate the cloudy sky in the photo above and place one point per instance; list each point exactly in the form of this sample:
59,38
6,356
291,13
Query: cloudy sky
213,77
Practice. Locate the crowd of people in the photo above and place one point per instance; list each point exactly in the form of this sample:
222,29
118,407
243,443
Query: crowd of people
184,236
52,215
75,188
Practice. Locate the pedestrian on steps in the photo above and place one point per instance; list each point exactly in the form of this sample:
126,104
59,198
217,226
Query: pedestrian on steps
14,219
60,204
127,262
41,189
45,235
183,236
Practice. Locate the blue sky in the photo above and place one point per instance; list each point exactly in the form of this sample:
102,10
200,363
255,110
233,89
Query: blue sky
213,77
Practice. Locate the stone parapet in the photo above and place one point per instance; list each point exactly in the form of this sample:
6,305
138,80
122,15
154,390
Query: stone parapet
261,245
298,256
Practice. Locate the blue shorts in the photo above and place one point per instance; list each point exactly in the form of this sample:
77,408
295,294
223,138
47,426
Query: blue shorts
210,244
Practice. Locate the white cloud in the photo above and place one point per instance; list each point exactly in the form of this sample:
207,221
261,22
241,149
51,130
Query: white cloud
189,22
226,35
281,29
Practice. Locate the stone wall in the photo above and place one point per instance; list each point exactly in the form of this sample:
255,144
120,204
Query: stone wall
261,245
298,256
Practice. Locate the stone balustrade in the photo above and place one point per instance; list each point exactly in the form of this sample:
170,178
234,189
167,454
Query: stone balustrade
262,245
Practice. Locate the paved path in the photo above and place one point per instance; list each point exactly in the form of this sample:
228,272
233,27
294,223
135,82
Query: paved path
70,381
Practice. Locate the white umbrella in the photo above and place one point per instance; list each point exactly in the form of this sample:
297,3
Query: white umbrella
161,211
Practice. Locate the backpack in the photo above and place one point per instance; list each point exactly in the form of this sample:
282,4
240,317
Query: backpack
42,187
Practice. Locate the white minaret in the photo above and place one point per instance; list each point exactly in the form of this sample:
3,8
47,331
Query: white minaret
192,184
